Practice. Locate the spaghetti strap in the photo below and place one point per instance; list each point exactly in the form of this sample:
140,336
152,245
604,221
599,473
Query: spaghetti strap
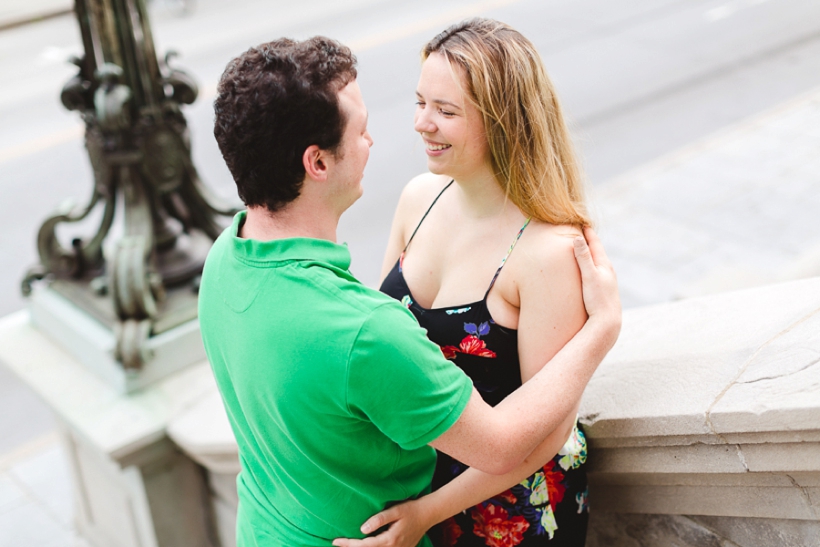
504,261
425,216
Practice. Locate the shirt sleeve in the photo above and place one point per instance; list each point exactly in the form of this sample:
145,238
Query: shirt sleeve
400,381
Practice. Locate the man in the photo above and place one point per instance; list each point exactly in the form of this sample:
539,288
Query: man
334,393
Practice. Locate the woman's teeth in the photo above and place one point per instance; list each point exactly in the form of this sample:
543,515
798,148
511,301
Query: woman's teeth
437,146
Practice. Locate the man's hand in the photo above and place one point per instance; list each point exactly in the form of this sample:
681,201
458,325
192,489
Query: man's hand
408,525
600,286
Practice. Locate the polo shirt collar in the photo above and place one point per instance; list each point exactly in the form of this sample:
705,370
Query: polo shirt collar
287,250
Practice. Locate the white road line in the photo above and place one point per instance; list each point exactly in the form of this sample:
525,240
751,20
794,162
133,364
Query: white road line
41,143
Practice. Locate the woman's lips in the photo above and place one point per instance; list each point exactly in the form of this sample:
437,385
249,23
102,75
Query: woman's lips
436,148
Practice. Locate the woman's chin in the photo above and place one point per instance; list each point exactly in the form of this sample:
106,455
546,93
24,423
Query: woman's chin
435,167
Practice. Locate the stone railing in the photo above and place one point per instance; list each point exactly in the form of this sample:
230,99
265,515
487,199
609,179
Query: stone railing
704,429
704,423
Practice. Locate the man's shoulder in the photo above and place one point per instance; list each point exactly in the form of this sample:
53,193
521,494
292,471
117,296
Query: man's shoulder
370,304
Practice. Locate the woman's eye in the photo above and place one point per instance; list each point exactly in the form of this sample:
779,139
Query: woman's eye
445,113
419,103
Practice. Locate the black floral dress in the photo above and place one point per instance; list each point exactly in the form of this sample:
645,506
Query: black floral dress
548,508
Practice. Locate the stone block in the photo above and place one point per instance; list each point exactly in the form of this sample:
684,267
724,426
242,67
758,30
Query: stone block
225,515
612,529
697,458
736,501
778,387
623,530
223,486
764,532
204,433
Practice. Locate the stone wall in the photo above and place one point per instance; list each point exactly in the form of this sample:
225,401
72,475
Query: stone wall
704,423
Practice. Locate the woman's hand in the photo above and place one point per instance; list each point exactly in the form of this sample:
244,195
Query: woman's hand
408,523
599,284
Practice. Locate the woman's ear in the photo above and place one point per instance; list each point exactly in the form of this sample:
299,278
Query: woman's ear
314,159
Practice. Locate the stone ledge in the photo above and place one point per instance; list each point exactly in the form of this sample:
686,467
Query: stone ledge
711,406
729,363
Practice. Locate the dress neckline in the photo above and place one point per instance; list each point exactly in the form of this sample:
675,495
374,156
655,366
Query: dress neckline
443,308
450,309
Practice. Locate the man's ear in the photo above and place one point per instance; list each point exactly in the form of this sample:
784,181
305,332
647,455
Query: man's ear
314,159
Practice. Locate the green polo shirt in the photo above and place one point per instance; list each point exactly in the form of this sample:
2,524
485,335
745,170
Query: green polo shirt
332,389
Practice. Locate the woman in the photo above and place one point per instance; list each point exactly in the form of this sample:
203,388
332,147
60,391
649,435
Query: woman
502,169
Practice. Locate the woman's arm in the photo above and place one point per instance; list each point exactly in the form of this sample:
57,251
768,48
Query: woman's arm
548,290
550,295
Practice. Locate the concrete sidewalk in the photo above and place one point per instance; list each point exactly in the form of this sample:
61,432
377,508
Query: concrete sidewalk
737,209
36,496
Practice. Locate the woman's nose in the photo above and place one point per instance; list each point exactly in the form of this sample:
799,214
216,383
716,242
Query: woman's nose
422,121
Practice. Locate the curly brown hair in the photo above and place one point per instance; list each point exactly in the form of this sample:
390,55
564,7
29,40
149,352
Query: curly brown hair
274,101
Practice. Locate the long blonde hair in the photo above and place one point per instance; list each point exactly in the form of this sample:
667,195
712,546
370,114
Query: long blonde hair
530,147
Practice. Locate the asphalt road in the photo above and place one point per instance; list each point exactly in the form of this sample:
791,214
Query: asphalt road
638,78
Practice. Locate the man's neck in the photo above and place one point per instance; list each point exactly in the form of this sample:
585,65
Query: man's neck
297,219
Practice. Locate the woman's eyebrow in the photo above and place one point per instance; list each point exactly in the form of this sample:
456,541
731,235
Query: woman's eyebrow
439,101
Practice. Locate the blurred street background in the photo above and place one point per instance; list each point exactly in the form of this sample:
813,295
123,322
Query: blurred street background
698,122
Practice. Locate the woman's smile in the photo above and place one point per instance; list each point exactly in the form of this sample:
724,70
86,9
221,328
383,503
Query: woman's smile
436,148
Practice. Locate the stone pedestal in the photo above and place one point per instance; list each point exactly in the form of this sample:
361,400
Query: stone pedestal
204,433
134,487
704,423
92,343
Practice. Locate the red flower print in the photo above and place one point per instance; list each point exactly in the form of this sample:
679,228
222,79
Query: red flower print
449,351
492,523
450,532
473,345
555,486
507,496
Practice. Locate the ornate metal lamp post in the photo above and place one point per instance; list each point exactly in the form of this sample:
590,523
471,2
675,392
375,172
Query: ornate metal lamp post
137,141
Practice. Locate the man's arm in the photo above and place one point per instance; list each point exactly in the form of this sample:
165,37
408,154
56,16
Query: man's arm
496,440
409,521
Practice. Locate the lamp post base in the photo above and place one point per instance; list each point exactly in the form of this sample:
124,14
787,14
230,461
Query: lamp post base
92,340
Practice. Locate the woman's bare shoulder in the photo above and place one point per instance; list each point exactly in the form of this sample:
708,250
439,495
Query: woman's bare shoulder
546,243
420,192
547,253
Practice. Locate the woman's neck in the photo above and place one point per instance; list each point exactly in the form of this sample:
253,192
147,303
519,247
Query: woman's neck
481,196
